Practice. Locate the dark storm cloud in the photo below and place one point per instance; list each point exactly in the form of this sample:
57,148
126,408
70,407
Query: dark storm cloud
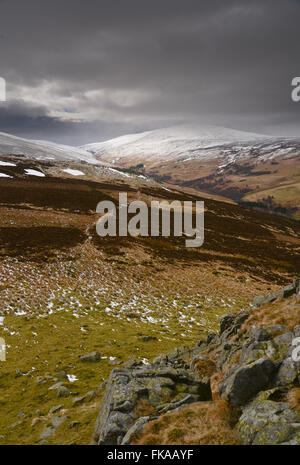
94,69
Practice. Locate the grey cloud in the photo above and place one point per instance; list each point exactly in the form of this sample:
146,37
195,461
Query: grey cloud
152,63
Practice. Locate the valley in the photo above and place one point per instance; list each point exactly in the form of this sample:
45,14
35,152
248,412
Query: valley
66,292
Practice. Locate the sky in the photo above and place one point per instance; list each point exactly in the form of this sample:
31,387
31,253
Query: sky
85,71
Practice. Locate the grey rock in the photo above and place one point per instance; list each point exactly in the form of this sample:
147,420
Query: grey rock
48,431
243,383
283,344
147,338
63,391
265,422
91,357
55,408
154,383
60,375
211,337
77,401
287,373
253,351
174,405
135,429
226,322
56,421
17,423
55,386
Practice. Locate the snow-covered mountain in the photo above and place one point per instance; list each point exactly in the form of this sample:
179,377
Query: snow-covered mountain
13,145
238,165
171,143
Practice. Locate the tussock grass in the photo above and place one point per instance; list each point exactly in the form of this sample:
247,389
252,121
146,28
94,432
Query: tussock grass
204,423
293,397
280,312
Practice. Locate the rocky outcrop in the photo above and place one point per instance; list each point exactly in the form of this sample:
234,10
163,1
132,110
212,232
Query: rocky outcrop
162,387
257,369
266,422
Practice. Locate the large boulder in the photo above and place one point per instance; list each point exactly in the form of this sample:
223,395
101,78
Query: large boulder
242,383
266,422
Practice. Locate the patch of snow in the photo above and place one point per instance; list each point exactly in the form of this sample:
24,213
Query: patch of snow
3,175
72,378
126,175
20,313
34,173
74,172
6,163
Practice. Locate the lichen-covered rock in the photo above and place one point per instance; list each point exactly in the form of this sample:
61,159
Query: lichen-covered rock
135,429
156,384
266,422
242,383
287,291
288,372
253,351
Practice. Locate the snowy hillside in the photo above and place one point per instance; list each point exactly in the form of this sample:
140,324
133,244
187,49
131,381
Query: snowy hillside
12,145
171,143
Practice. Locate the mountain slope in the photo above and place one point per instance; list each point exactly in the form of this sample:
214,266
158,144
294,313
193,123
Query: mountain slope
169,143
13,145
218,161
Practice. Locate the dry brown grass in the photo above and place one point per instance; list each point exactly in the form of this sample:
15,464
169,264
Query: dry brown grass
205,367
214,382
293,397
201,423
143,409
281,312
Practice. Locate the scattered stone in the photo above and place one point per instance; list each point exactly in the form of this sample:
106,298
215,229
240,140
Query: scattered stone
77,401
91,357
56,421
61,375
56,408
90,395
114,362
62,391
48,431
147,338
17,423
